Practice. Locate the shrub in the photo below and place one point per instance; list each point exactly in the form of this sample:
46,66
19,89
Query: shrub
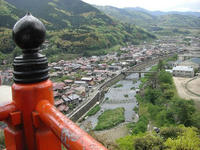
94,110
148,142
118,86
170,132
110,118
140,126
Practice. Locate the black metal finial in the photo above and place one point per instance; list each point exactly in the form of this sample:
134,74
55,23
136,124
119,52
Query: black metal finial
29,33
31,67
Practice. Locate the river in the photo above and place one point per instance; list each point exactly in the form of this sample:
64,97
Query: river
123,96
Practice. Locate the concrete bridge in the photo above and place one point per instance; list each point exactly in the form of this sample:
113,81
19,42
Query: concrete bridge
139,72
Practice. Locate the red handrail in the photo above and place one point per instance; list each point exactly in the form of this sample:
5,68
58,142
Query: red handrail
68,132
6,110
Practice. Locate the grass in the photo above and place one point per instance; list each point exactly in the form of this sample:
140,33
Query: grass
94,110
118,86
110,118
133,88
126,95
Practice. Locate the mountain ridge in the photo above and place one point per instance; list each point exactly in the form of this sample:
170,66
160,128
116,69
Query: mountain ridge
146,18
72,26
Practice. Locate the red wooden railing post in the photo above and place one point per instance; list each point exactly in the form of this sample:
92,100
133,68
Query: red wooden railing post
33,122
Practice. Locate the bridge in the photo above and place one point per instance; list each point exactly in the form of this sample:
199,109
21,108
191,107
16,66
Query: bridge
139,72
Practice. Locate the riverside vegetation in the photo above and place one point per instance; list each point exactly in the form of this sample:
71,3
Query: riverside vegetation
110,118
160,106
94,110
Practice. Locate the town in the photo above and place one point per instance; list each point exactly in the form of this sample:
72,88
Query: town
74,81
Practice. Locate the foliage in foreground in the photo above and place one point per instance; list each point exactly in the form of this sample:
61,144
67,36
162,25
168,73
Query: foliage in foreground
170,138
159,105
94,110
110,118
159,102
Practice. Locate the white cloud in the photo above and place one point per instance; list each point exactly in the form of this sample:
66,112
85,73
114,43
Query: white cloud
164,5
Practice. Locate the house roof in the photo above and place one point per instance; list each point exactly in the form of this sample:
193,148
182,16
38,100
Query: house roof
73,97
58,102
58,85
80,82
86,79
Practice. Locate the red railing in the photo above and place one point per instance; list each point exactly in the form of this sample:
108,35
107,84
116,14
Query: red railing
33,121
35,124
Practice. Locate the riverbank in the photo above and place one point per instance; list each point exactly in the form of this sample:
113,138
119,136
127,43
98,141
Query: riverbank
161,108
123,96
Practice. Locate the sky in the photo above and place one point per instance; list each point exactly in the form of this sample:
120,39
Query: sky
162,5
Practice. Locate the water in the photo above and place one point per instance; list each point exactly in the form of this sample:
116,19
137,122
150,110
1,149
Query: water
117,97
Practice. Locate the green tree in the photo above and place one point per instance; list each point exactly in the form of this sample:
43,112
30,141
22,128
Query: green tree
165,77
152,95
160,65
148,142
189,140
183,111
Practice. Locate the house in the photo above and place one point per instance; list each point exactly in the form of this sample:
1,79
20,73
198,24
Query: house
56,94
58,102
74,99
80,91
183,71
89,80
66,99
99,72
61,107
83,83
114,68
58,86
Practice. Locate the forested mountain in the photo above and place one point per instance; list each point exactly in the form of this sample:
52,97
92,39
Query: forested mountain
129,15
72,26
159,13
147,19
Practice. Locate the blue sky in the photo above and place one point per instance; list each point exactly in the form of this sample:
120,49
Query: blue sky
163,5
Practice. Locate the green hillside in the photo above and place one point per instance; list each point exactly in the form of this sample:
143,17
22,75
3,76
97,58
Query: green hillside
73,27
148,19
178,20
129,15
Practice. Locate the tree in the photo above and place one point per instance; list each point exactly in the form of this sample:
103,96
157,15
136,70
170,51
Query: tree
165,77
160,65
152,95
148,142
183,111
153,80
196,120
189,140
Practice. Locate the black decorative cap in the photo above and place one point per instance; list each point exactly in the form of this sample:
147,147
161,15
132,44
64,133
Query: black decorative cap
31,67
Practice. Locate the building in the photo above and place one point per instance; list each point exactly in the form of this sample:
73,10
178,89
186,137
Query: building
183,71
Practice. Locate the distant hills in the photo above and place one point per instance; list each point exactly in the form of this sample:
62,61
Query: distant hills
147,19
73,26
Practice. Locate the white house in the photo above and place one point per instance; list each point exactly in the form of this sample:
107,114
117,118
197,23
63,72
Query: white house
183,71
